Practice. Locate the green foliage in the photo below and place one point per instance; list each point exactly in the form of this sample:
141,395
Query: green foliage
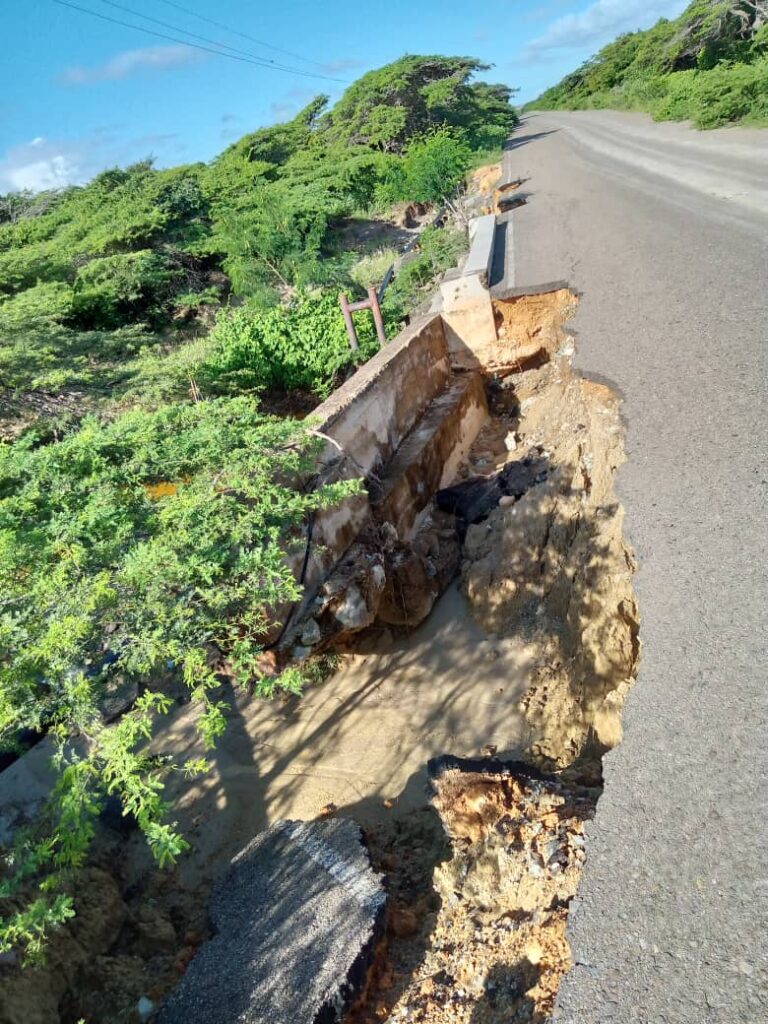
388,107
725,93
139,250
44,305
438,250
53,358
113,290
370,269
432,168
707,65
304,345
151,544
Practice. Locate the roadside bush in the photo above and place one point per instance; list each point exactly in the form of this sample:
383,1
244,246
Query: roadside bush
725,93
152,544
303,345
432,168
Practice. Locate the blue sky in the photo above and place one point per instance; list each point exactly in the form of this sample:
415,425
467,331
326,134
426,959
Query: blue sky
78,94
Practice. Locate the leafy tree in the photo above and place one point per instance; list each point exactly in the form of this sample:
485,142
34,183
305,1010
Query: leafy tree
387,107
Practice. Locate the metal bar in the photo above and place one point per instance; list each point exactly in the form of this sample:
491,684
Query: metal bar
355,307
346,310
386,282
378,319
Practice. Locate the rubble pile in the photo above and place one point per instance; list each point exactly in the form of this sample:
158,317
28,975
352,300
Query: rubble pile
496,950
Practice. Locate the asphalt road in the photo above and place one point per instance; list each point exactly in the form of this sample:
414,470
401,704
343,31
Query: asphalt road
663,230
296,921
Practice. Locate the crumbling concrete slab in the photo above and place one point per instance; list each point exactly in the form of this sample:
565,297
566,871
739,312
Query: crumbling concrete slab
298,919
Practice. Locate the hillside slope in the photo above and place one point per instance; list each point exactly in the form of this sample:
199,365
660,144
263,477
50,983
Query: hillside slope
140,259
710,65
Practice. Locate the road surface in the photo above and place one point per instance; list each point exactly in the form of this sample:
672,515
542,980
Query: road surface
664,232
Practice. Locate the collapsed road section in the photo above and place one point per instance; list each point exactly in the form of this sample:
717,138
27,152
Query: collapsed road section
543,564
477,597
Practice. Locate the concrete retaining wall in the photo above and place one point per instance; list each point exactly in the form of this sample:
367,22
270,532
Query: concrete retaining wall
466,305
366,420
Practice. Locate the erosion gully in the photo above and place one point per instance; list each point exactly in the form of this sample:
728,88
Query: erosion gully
480,876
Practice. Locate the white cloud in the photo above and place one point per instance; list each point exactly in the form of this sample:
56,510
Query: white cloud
601,22
54,163
122,65
39,165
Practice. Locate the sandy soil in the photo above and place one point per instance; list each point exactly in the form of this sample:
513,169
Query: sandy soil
490,948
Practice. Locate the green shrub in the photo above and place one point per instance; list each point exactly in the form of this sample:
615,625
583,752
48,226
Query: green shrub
25,266
152,544
304,345
197,300
432,169
725,93
115,290
45,305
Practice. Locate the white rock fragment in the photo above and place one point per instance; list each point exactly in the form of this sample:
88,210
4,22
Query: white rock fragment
145,1008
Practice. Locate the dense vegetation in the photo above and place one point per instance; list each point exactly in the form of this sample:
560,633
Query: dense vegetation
147,504
709,65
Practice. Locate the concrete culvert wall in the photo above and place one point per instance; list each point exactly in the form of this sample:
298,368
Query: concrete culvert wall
404,423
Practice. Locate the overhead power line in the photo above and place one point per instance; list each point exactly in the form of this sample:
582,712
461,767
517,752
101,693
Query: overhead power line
242,35
261,62
203,39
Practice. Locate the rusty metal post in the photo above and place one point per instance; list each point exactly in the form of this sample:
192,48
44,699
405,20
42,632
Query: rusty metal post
345,309
378,319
